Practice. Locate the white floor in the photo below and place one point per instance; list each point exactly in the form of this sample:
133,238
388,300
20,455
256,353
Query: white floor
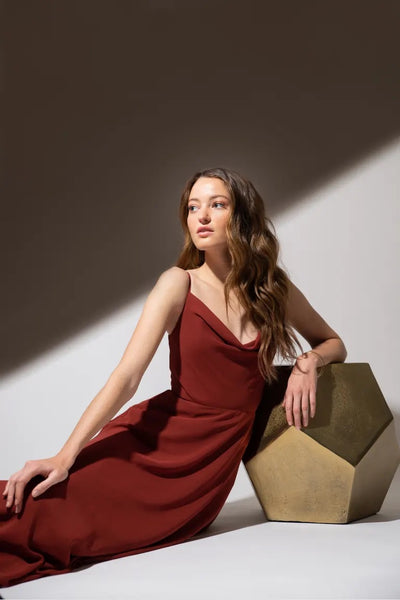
243,556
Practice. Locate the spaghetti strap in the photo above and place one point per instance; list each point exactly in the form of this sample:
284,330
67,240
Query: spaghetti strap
190,280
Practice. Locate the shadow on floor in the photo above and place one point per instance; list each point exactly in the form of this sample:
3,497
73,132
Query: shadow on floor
239,514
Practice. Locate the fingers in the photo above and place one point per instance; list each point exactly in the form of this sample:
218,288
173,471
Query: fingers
19,495
305,410
288,405
53,478
14,490
299,408
313,402
50,469
8,495
292,408
297,411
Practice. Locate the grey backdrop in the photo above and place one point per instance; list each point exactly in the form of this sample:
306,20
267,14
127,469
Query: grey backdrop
110,106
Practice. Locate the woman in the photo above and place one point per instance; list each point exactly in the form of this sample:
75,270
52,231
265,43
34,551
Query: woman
161,471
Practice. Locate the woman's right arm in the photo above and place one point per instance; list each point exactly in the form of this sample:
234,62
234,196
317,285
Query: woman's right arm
160,313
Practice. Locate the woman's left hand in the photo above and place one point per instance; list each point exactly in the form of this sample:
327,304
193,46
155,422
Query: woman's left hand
299,400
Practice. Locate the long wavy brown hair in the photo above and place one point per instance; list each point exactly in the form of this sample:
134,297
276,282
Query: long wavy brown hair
262,287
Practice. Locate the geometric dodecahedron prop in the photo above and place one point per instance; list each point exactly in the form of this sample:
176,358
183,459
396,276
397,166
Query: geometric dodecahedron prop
338,468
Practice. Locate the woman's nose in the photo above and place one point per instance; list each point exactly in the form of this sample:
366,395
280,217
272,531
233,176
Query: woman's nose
204,215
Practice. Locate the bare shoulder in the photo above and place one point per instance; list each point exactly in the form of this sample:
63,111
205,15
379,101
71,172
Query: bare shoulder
170,291
174,280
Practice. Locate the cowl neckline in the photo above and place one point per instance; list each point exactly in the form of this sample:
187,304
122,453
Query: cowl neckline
217,321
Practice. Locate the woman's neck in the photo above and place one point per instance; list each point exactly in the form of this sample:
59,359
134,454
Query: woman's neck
216,267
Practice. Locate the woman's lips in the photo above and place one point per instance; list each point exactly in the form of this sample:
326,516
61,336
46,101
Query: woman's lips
204,233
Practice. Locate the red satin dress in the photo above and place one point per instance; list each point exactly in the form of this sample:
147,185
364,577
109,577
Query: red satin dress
155,475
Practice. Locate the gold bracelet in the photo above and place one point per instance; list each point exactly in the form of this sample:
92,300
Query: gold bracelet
321,367
319,356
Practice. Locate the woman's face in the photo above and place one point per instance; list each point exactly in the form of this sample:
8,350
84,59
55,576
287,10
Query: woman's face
209,209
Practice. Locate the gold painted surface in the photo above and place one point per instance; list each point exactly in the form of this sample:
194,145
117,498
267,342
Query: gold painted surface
297,479
374,474
340,467
351,410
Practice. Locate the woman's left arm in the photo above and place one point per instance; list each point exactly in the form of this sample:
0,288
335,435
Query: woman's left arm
300,397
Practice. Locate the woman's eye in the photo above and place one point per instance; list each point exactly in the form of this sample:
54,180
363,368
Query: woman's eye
219,204
192,208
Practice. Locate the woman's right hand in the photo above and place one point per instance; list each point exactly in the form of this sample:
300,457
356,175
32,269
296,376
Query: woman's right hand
52,469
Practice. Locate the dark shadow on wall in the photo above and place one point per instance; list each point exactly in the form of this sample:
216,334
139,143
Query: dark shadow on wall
111,106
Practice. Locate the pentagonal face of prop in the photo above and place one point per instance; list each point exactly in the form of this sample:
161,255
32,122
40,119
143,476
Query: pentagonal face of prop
352,411
337,469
